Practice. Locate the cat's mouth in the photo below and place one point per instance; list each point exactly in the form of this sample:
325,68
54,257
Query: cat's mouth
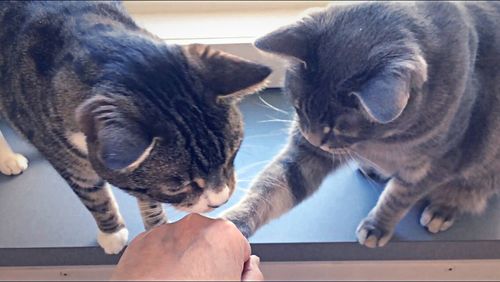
207,201
320,141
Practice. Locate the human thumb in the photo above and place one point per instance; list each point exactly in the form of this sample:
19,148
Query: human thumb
251,270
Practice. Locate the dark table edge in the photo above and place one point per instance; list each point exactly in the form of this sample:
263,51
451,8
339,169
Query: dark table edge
275,252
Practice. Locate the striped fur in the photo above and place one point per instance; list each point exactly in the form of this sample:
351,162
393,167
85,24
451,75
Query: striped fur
409,90
152,213
107,102
295,174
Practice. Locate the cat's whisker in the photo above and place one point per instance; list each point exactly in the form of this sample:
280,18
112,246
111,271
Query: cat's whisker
263,135
239,189
349,159
338,155
271,106
372,183
343,158
250,146
244,169
276,120
364,159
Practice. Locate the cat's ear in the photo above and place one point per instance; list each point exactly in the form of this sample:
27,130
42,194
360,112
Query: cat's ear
290,41
384,97
119,143
226,74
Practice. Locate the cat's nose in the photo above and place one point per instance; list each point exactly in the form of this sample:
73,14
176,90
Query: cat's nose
314,139
319,137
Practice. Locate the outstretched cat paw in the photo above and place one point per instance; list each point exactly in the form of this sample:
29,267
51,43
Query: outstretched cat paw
437,218
371,234
240,222
13,164
113,243
243,227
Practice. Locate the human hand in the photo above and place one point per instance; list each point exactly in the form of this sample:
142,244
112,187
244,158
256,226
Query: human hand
193,248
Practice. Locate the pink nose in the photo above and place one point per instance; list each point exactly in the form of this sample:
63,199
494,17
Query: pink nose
314,139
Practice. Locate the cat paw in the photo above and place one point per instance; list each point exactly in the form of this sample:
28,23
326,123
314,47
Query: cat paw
371,234
437,218
13,164
113,243
240,222
244,228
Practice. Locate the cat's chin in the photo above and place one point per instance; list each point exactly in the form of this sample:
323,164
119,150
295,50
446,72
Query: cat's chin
195,209
334,151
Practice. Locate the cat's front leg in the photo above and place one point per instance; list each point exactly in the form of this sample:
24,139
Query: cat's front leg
11,163
152,213
99,200
291,177
396,200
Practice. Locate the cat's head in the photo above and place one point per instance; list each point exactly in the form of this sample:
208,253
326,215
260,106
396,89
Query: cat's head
164,124
355,72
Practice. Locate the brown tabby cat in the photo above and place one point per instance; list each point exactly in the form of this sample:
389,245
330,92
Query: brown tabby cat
107,102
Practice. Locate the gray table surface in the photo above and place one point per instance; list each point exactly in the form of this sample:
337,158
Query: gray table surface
43,223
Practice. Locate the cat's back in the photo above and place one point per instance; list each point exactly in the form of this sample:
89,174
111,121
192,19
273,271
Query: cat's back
37,36
41,41
13,15
17,18
485,17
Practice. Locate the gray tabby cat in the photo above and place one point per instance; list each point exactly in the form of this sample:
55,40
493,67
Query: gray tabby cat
105,101
411,90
